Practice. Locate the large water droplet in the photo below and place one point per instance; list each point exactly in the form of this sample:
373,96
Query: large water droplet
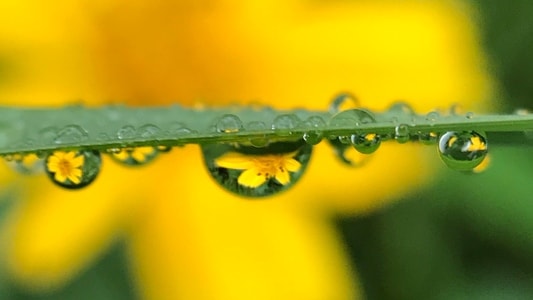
463,150
257,172
401,133
27,164
71,134
228,124
366,143
73,169
342,102
135,156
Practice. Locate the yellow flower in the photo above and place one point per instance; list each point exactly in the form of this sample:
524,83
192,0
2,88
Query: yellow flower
65,165
186,237
260,168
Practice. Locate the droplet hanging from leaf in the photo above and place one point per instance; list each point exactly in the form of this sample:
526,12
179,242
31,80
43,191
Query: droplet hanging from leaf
135,156
463,150
257,172
73,169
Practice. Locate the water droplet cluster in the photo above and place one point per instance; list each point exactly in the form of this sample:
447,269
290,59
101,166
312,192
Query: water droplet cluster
269,157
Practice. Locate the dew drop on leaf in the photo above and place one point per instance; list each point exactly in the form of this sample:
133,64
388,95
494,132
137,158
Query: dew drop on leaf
260,141
126,132
73,169
284,125
401,133
464,150
257,172
343,101
71,134
229,123
135,156
432,117
148,131
366,143
314,126
350,119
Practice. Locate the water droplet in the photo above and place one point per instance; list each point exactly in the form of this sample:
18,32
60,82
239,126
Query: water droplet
27,164
432,117
464,150
314,125
126,132
402,108
366,143
102,136
73,169
428,138
285,124
148,131
350,119
71,134
342,102
345,139
469,115
257,172
47,135
401,133
135,156
229,123
260,141
163,148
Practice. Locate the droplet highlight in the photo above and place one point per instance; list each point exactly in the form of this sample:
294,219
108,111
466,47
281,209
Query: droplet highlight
257,172
73,169
366,143
463,151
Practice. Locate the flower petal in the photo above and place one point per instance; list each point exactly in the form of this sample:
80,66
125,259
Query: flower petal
250,178
234,160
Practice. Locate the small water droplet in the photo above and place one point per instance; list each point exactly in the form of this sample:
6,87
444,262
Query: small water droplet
432,117
350,119
257,172
464,150
229,123
126,132
27,164
314,125
345,139
71,134
163,148
73,169
135,156
260,141
469,115
102,136
284,125
428,138
148,131
366,143
342,102
401,133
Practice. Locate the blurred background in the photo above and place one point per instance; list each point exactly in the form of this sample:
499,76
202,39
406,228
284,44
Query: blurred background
460,236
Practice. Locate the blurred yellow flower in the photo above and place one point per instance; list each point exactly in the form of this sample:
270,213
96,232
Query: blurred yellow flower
187,238
260,168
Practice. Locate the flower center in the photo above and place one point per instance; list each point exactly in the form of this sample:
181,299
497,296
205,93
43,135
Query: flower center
65,167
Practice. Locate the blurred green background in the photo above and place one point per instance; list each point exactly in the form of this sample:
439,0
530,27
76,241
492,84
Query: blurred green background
464,237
